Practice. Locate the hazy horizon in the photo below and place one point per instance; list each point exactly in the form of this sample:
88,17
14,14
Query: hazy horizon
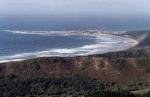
75,8
75,14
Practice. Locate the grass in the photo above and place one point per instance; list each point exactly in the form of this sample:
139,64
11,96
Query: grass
141,92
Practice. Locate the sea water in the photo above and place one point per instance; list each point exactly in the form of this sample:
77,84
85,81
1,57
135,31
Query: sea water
20,40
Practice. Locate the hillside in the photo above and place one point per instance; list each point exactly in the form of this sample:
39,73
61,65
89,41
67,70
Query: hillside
101,74
121,67
129,70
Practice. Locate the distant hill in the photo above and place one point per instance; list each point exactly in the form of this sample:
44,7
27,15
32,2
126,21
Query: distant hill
142,36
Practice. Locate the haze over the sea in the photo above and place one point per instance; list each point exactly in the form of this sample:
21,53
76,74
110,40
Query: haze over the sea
73,14
108,8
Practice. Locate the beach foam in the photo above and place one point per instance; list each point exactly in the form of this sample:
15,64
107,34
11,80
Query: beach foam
104,43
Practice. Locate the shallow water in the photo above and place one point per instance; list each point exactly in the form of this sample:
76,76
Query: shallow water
20,45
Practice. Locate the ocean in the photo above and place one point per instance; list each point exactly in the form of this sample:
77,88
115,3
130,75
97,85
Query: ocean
22,39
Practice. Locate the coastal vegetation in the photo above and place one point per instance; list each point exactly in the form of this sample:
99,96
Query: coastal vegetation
117,74
75,86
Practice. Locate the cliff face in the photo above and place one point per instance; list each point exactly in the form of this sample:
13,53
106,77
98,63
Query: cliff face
121,67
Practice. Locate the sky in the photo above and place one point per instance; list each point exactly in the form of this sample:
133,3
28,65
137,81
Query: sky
74,7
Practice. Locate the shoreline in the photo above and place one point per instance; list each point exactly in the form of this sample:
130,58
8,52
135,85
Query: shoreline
70,57
85,50
136,37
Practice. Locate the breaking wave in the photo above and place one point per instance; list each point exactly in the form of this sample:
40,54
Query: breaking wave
104,43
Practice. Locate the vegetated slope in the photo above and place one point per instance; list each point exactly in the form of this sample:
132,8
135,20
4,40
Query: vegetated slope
124,67
108,75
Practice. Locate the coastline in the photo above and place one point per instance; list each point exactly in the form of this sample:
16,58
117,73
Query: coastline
128,70
112,43
119,67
